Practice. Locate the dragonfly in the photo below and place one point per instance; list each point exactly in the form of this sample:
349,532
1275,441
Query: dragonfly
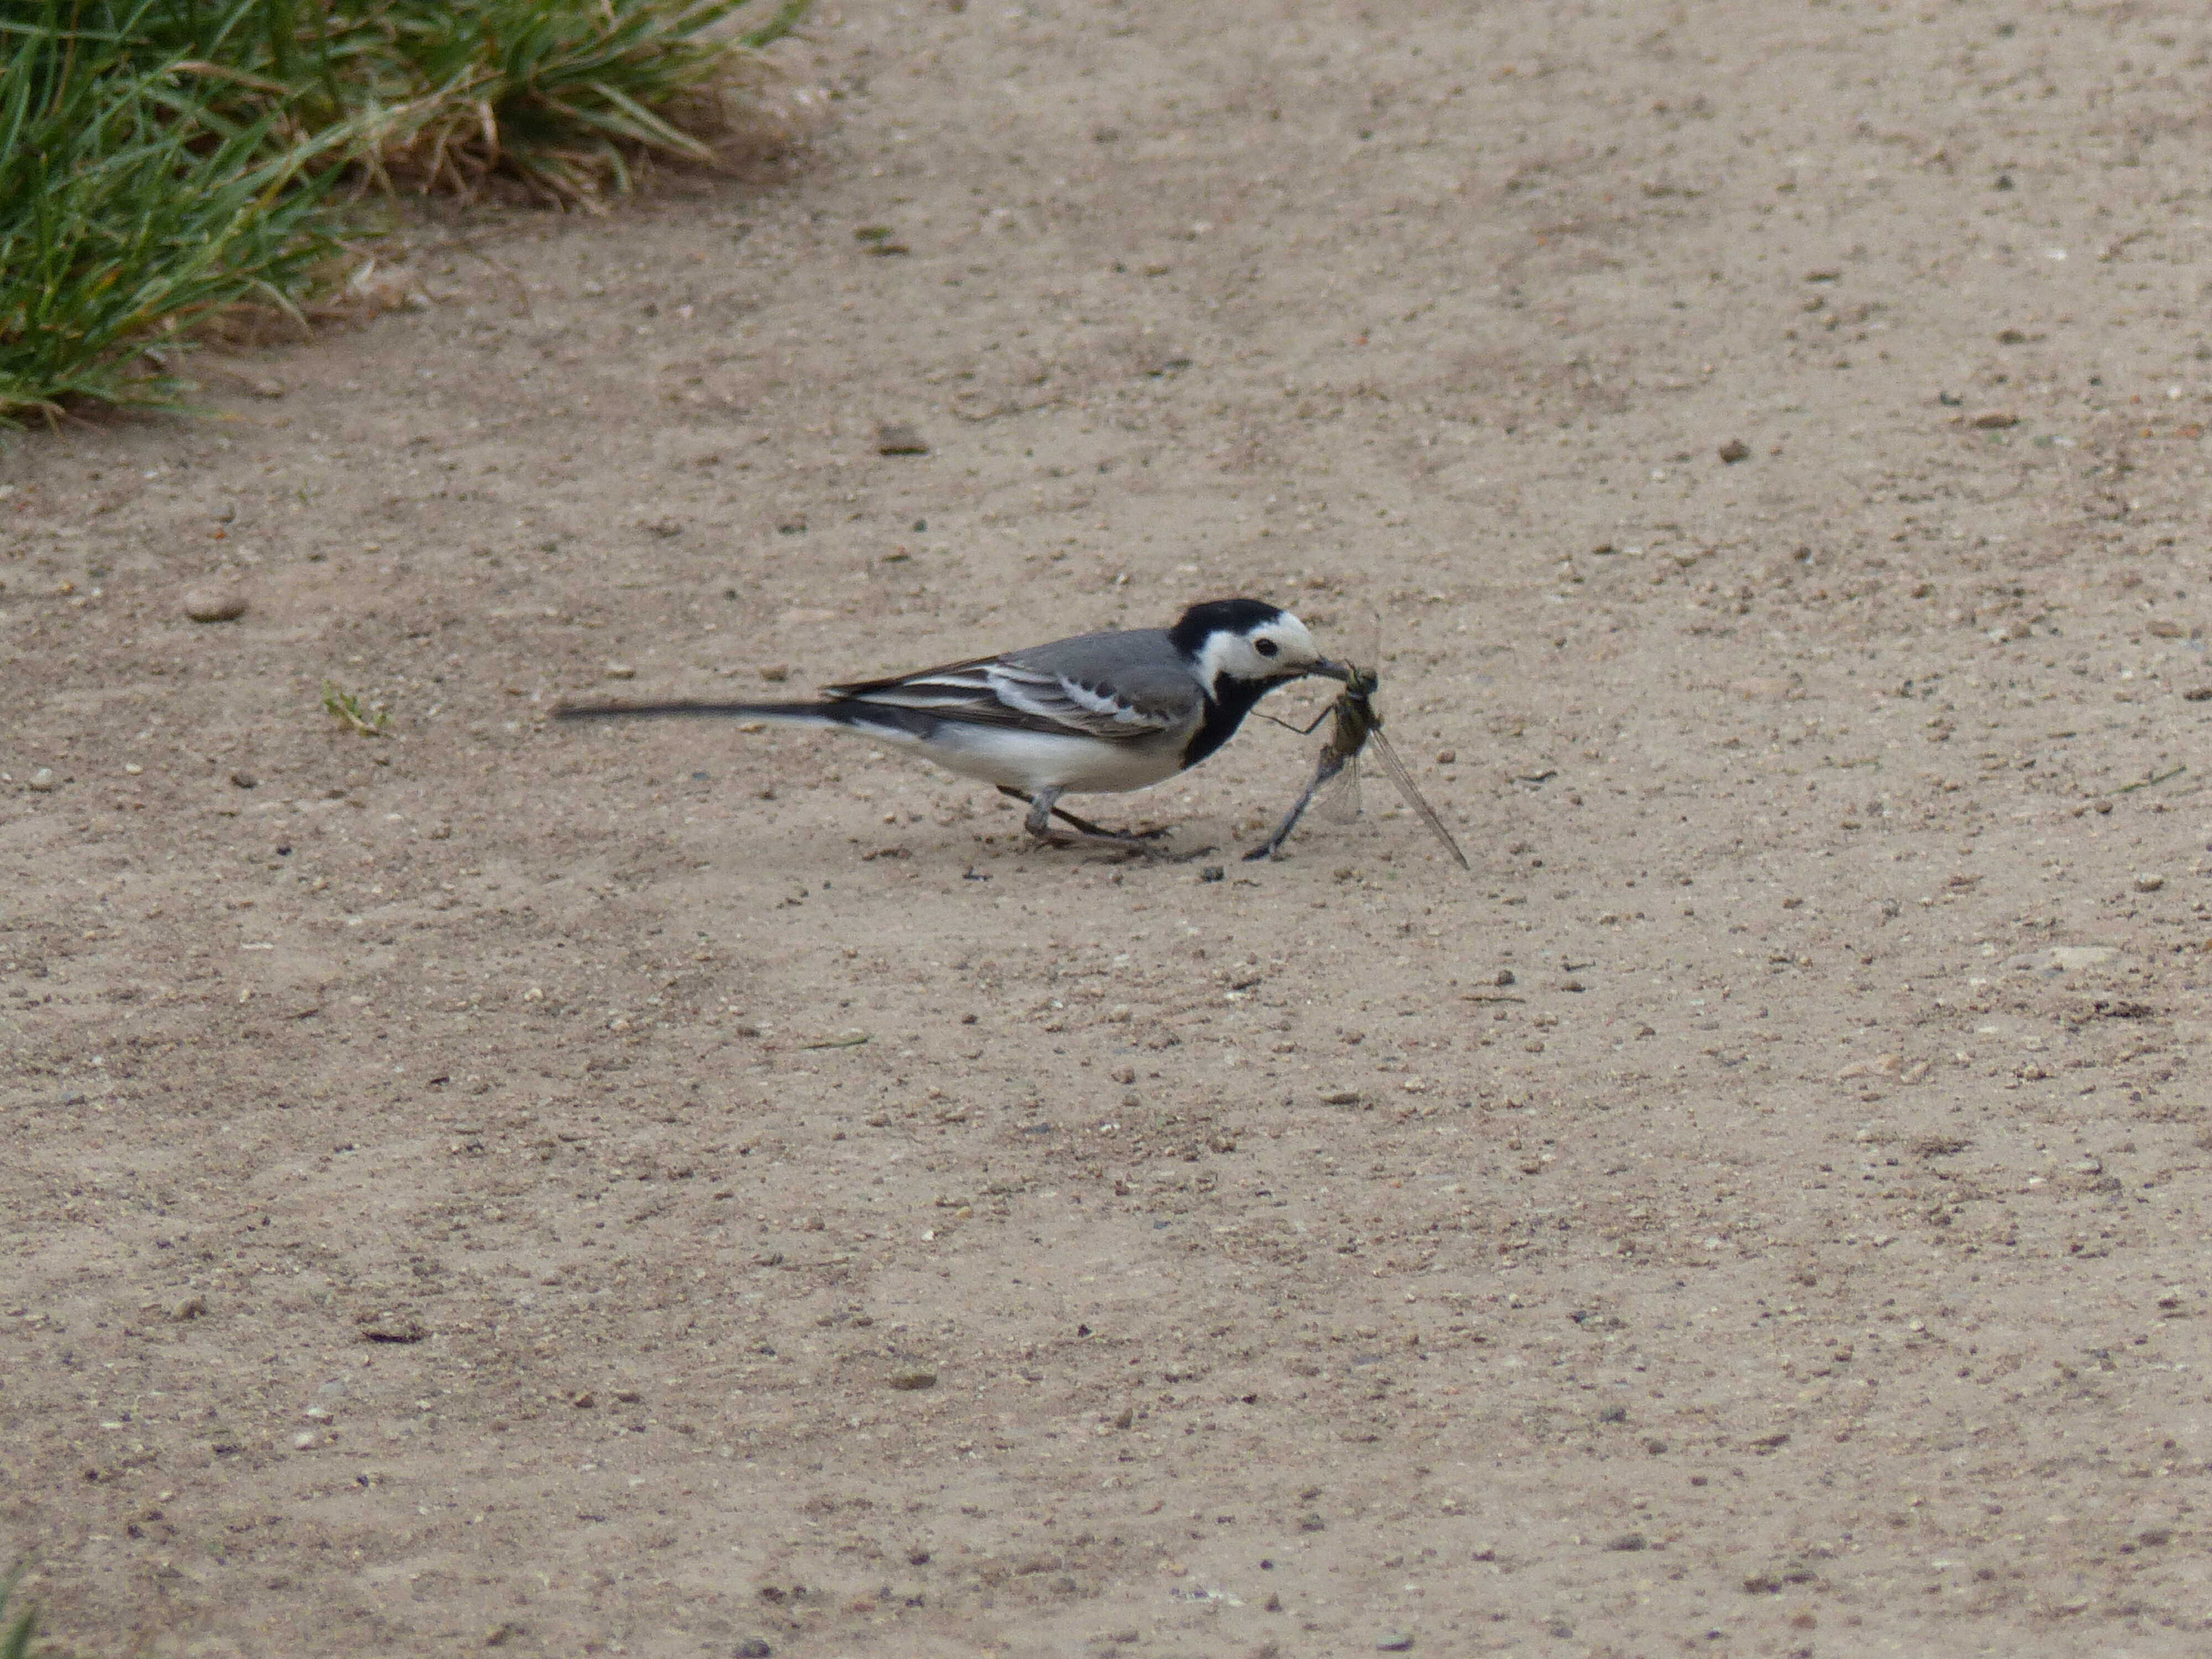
1357,731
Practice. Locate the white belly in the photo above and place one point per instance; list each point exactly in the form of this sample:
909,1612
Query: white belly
1030,761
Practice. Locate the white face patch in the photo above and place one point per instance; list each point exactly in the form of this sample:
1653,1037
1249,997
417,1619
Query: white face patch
1238,656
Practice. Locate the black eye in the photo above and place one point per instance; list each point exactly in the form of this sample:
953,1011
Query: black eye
1265,647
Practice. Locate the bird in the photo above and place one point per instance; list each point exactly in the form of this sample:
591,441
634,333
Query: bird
1095,713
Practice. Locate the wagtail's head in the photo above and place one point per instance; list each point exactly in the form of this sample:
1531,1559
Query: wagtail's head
1250,642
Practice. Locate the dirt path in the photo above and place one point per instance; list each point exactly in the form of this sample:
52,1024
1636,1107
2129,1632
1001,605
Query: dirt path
1761,1211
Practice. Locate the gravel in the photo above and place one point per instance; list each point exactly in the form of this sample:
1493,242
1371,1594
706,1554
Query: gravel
214,605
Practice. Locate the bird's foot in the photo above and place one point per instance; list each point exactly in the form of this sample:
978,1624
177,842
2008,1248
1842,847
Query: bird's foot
1118,846
1130,850
1044,807
1131,837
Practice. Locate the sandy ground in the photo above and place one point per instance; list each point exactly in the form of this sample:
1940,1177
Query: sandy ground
1761,1211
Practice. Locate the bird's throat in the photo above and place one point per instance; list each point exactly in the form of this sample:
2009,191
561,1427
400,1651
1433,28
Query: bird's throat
1226,706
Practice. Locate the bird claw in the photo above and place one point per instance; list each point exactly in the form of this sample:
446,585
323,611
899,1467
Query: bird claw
1129,850
1092,834
1099,832
1127,844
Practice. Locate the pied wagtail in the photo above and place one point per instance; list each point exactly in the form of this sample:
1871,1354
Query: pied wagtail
1099,712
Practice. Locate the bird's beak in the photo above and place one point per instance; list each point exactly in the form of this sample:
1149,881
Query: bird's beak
1331,671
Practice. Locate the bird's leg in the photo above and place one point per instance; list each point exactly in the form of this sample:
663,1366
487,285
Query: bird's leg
1044,801
1039,821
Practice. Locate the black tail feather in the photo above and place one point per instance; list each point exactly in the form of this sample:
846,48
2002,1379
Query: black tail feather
742,711
890,721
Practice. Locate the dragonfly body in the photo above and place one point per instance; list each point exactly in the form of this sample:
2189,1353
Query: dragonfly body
1358,728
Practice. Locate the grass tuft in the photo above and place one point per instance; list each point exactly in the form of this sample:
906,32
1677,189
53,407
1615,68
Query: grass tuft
19,1628
371,721
163,159
120,221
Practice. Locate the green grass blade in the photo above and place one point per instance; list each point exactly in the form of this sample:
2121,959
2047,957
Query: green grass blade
789,16
161,158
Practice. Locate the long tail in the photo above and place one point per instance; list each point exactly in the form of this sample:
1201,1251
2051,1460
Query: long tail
871,717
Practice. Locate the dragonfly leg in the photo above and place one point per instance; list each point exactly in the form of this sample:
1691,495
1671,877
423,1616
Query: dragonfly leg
1309,728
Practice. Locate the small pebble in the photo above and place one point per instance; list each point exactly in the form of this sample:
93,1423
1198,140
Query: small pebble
620,671
1995,420
1734,450
1447,757
305,1440
193,1307
42,781
2148,883
1341,1098
897,438
1627,1540
776,673
585,1401
753,1648
214,605
1391,1641
911,1381
244,781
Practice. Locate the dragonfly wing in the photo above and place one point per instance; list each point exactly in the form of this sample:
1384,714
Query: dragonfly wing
1404,780
1340,797
1324,773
